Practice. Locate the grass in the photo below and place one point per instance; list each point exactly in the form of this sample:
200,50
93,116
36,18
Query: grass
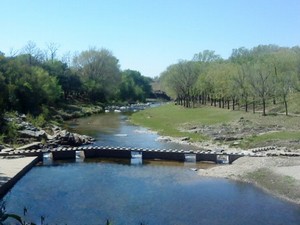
278,184
271,137
168,119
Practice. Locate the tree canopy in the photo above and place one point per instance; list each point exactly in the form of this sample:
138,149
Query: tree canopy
35,78
257,76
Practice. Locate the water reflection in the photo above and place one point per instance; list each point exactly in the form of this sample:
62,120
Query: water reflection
113,129
131,191
155,192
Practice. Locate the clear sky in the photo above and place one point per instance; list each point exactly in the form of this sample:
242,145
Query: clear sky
149,35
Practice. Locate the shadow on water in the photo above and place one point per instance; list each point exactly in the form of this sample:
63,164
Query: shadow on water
131,191
155,192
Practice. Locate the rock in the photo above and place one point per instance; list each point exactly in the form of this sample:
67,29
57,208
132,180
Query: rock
39,135
34,145
67,138
185,139
235,143
163,139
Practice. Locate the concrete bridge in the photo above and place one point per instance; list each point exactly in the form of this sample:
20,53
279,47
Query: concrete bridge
62,153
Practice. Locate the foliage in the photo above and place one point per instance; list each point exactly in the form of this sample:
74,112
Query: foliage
36,80
100,73
134,87
250,76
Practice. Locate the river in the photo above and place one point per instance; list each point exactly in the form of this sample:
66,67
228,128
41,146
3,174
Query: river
134,192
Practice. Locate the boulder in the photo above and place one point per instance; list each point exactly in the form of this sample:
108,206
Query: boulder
38,135
67,138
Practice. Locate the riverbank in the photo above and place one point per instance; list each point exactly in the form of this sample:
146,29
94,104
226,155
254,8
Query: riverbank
275,138
276,175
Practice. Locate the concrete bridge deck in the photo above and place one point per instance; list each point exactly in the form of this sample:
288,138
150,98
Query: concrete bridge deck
123,152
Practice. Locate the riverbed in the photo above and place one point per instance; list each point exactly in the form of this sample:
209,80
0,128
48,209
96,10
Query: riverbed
135,191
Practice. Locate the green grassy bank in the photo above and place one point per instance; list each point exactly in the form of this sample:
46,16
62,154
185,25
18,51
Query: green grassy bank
176,121
169,119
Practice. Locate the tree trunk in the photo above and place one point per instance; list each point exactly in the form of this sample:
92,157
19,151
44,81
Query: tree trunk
253,105
286,106
264,106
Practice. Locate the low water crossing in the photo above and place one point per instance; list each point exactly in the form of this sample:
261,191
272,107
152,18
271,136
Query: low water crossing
89,191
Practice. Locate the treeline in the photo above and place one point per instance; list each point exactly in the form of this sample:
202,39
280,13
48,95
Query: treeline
35,79
248,78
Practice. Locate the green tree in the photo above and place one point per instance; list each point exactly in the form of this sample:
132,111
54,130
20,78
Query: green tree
134,86
181,80
260,81
207,56
69,80
285,67
100,73
35,89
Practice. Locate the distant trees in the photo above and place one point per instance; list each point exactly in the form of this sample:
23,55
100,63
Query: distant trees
36,78
256,76
180,81
134,87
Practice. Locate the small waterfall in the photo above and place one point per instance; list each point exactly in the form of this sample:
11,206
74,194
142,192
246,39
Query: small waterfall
136,158
190,160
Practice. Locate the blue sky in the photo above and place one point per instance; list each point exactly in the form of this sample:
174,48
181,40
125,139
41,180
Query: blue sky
149,35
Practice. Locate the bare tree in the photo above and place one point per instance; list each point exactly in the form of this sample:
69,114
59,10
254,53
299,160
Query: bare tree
52,49
33,52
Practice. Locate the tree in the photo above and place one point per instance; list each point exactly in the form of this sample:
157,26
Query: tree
181,79
134,86
241,81
33,53
285,64
100,72
36,88
207,56
52,49
260,81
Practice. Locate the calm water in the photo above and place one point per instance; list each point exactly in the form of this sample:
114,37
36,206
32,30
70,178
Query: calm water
113,129
158,193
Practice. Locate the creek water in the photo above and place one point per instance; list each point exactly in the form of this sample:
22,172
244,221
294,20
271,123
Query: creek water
129,192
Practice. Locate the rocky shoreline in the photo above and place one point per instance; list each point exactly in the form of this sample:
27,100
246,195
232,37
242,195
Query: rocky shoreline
32,137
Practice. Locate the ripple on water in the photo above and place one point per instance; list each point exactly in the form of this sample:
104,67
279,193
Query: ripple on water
154,193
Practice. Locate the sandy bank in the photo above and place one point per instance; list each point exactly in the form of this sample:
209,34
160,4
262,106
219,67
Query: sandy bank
277,175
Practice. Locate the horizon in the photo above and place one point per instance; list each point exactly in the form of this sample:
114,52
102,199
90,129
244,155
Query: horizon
149,36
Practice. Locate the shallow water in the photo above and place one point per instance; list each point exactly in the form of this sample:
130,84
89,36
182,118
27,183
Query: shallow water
93,191
131,191
113,129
